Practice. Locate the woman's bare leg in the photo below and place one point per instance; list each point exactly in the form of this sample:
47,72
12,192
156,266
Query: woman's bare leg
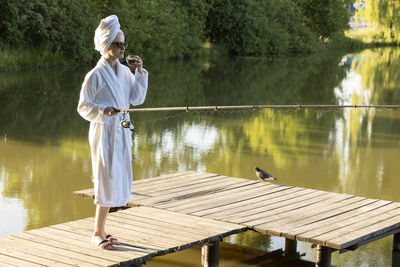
100,222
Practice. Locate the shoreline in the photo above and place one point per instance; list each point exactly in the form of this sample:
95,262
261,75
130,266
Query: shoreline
28,59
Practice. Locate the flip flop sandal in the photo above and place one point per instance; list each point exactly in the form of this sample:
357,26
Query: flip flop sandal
112,240
105,244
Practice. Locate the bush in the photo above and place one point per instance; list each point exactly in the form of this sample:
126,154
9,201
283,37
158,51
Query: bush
159,29
326,17
56,25
171,28
254,27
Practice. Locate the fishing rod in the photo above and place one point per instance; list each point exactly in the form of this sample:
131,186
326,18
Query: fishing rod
189,108
127,124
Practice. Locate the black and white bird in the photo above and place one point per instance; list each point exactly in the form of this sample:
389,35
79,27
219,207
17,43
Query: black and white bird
263,175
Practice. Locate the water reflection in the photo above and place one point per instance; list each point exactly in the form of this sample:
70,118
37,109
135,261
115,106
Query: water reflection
44,153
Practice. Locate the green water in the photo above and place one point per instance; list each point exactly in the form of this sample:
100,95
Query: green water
44,152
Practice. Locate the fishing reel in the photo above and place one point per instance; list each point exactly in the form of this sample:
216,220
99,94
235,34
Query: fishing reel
126,123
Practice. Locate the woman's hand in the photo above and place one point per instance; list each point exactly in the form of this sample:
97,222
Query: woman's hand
137,63
110,111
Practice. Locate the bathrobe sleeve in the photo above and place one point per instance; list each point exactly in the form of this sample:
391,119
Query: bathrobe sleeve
139,84
87,106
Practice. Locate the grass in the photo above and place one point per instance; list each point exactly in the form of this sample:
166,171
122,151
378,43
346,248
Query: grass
16,59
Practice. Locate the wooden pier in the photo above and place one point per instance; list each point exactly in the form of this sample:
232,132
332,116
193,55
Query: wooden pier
178,211
144,233
330,221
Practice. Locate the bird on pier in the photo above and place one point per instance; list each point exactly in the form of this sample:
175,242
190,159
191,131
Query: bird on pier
263,175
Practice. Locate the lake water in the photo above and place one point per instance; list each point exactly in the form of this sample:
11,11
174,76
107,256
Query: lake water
44,152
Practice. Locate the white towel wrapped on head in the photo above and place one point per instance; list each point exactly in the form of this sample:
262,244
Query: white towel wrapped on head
106,32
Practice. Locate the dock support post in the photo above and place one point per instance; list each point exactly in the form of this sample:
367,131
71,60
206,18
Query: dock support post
210,254
324,255
396,242
396,250
290,247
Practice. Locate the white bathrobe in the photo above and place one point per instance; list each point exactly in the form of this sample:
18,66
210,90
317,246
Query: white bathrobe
111,144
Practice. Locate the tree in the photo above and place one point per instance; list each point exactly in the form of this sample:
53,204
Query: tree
326,17
384,15
258,27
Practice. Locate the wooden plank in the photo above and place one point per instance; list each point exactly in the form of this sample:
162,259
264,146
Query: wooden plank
219,201
299,209
154,180
176,236
30,257
372,239
167,230
70,244
176,182
83,241
352,224
243,186
48,252
268,202
7,264
265,210
392,225
164,176
211,199
185,193
186,219
122,232
349,212
206,226
125,255
154,245
155,201
4,264
292,221
156,221
186,185
252,201
181,245
356,204
357,232
159,188
85,193
16,262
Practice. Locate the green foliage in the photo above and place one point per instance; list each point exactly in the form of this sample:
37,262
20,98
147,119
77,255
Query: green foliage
170,29
54,25
254,27
326,17
159,29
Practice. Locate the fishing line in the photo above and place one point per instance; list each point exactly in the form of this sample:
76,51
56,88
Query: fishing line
216,108
242,109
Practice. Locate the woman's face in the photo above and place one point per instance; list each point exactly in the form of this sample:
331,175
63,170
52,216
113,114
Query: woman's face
116,49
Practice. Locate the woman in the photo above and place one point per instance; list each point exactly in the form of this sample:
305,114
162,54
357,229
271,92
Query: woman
107,88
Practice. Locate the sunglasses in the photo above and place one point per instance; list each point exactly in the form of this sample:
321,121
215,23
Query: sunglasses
121,45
